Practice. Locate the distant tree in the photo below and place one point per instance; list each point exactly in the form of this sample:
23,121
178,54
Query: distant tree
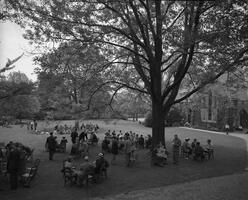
17,96
131,104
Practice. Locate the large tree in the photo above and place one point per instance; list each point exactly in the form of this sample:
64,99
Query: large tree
163,41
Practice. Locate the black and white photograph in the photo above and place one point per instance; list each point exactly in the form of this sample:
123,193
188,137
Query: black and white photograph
123,99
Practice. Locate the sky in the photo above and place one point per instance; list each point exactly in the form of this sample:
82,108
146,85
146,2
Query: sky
12,45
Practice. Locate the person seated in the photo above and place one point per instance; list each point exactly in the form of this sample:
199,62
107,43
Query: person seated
67,164
161,155
186,149
83,148
101,165
85,169
209,150
199,152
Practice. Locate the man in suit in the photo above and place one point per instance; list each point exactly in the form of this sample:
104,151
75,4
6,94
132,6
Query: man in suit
13,166
51,145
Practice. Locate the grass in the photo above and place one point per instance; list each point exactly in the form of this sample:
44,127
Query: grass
230,157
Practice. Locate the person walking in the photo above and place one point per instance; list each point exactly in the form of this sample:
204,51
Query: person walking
51,145
31,125
176,143
227,127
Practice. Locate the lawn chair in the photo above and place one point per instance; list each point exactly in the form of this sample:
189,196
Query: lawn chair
91,176
35,165
3,167
68,175
28,177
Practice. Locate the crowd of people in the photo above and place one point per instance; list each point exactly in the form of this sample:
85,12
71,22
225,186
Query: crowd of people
126,143
81,137
196,151
66,129
129,142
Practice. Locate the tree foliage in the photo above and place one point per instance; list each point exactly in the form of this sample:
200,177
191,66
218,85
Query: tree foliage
17,96
162,43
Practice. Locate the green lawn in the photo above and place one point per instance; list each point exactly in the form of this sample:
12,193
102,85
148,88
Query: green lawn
230,157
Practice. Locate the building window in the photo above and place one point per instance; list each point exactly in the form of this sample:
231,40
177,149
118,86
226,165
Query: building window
210,105
204,114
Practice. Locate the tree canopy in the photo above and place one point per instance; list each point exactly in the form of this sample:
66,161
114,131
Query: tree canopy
157,44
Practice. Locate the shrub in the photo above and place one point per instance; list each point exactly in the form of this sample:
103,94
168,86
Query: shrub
174,118
148,120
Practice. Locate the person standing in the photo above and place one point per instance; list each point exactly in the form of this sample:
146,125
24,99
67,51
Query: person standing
227,127
28,125
114,149
74,136
51,145
35,125
13,166
176,147
83,136
31,125
128,149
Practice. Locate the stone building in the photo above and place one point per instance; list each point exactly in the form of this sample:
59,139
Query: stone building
225,101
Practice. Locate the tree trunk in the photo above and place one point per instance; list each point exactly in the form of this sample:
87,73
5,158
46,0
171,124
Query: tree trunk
157,123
